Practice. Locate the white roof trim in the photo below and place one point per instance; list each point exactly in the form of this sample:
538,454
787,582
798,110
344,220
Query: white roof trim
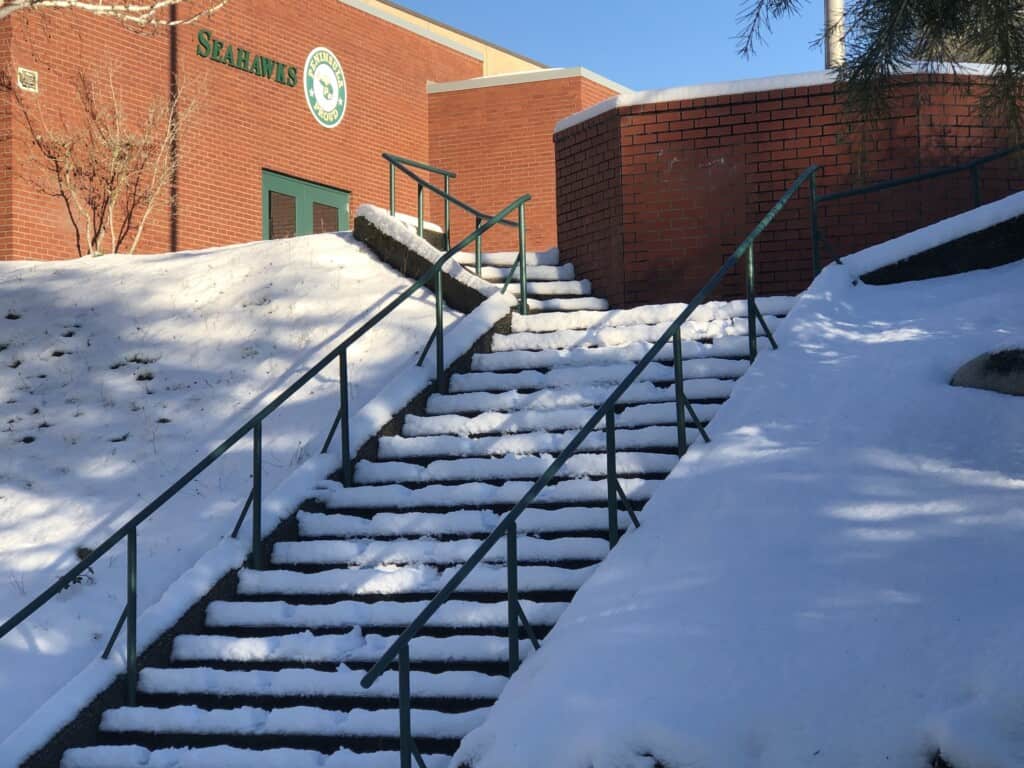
735,87
530,76
398,21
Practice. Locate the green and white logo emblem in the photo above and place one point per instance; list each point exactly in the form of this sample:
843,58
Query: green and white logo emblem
326,91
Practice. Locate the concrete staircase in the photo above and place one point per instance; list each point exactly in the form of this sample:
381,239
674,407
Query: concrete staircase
272,677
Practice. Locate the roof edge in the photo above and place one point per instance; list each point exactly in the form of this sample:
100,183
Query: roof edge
516,78
398,21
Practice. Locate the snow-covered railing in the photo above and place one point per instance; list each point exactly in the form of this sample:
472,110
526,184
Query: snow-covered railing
405,165
973,166
506,528
254,426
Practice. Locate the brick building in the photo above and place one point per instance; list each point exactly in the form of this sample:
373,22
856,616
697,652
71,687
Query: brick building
261,158
656,189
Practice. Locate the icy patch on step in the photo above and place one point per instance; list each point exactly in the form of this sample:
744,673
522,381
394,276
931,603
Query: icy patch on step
566,305
304,647
536,272
552,288
506,259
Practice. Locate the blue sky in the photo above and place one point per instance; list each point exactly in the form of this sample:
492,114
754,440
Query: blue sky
643,44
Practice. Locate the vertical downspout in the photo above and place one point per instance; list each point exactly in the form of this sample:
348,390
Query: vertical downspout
173,96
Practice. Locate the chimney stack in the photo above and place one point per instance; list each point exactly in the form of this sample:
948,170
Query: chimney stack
835,50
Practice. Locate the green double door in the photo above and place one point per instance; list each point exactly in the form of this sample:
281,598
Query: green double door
294,207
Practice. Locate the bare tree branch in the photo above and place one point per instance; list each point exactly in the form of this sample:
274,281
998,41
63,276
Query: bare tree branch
146,13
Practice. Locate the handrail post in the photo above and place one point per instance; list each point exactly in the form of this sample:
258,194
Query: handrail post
677,359
346,457
751,304
524,307
257,496
439,384
815,256
512,565
131,638
976,185
479,248
612,479
419,210
448,213
391,188
404,709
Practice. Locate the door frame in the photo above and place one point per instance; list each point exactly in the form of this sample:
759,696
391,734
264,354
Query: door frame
305,193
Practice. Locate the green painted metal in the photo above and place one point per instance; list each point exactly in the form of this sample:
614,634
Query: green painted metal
478,251
612,479
973,167
132,617
257,496
306,193
605,413
439,380
751,304
419,209
677,364
524,305
512,569
404,710
448,213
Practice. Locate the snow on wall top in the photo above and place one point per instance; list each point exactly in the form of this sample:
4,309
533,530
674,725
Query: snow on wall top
399,231
733,87
934,235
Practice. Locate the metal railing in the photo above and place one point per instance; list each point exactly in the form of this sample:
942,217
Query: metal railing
973,167
405,165
254,427
506,528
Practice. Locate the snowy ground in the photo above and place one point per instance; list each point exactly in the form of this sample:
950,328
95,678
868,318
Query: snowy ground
834,581
118,373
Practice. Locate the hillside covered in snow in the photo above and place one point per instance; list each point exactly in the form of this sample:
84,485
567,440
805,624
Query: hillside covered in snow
833,581
118,373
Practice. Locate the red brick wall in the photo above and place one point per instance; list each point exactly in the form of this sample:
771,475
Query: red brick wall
694,177
6,167
244,124
498,140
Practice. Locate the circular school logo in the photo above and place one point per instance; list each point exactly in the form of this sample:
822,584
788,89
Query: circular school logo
326,92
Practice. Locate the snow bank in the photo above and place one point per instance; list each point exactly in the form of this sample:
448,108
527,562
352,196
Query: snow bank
397,230
319,283
833,581
934,235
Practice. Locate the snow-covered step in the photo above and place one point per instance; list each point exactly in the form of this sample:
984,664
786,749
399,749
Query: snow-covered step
343,682
511,468
620,335
346,614
134,756
574,397
730,347
372,553
660,373
464,522
496,422
566,305
337,496
412,579
287,721
651,314
644,438
508,258
352,647
536,272
565,288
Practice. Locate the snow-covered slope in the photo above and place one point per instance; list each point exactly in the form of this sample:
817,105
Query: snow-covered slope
834,581
118,373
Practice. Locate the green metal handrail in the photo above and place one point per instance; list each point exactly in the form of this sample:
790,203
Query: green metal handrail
254,426
404,164
972,166
605,413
